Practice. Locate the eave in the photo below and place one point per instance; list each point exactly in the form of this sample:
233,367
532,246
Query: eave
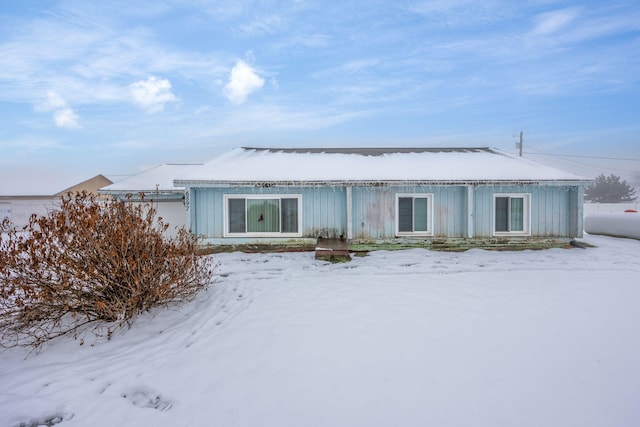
149,195
377,183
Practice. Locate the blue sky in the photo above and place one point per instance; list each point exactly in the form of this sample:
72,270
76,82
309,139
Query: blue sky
116,87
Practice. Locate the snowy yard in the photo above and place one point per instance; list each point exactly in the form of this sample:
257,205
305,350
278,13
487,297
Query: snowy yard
408,338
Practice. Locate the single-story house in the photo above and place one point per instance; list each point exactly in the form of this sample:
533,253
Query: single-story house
155,186
381,197
18,205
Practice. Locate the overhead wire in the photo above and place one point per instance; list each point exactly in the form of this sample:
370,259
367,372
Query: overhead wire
567,158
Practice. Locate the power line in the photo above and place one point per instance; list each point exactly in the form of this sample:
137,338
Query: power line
538,153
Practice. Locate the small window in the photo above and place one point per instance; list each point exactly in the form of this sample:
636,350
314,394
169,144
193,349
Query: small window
414,215
511,214
262,215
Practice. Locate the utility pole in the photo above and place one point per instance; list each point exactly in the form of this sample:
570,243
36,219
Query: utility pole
521,144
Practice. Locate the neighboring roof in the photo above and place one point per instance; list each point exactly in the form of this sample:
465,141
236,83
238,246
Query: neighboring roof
32,185
90,185
158,179
319,165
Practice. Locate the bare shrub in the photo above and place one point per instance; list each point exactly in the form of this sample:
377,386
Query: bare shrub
91,264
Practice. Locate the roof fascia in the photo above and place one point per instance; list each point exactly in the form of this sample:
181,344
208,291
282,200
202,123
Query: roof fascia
377,183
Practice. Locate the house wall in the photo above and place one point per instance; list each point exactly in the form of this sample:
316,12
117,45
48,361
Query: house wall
20,208
324,210
172,212
556,211
374,211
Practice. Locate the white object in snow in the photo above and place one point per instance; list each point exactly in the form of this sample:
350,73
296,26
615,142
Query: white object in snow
618,224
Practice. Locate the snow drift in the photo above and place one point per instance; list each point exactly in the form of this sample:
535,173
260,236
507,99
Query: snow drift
408,338
618,224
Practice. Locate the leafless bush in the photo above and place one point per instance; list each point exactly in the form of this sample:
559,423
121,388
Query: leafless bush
91,265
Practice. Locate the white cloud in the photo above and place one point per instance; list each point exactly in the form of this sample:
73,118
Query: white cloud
266,25
152,94
66,118
53,102
552,22
63,115
242,82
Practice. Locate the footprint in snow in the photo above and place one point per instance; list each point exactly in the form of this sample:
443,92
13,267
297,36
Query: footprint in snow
46,421
143,398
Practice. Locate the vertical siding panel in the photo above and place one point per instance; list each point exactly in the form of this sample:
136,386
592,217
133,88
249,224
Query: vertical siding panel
538,210
202,213
482,212
477,211
478,202
547,220
487,209
453,212
214,210
459,211
357,198
198,204
552,212
441,220
447,210
553,216
564,212
450,210
307,213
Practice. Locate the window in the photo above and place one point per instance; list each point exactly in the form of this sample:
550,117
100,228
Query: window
262,215
414,215
511,214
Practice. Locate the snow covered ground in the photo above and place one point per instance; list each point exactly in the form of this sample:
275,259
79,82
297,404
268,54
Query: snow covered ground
409,338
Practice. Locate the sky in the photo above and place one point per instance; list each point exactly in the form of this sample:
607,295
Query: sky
118,87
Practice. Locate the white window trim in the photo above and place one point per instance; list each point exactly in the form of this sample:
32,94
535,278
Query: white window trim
225,214
526,220
429,232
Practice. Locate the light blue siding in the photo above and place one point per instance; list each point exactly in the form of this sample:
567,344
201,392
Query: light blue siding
555,210
450,211
324,212
323,209
374,211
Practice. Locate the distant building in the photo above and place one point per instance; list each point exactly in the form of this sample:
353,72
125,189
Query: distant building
19,207
155,186
381,197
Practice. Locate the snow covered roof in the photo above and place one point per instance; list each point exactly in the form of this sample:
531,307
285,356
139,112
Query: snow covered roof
158,179
334,165
33,185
